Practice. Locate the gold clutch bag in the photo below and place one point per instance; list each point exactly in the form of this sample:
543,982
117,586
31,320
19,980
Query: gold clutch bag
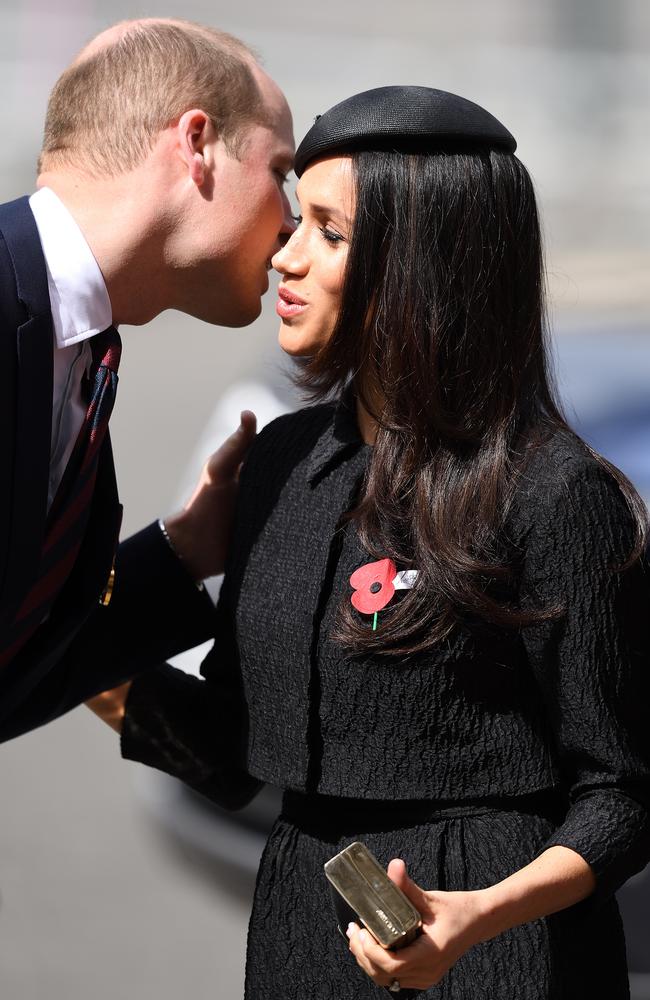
362,892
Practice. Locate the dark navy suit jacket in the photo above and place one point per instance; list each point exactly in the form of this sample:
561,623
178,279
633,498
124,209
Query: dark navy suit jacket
156,610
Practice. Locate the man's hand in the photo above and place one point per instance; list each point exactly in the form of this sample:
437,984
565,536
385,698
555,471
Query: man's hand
109,706
200,533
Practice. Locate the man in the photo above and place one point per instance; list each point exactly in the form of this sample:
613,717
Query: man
160,186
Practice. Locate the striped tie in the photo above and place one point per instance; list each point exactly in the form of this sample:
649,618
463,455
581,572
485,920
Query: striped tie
70,509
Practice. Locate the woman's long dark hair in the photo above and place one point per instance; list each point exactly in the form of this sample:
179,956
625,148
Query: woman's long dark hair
443,320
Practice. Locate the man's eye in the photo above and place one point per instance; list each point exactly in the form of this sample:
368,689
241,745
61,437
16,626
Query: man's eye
282,177
297,219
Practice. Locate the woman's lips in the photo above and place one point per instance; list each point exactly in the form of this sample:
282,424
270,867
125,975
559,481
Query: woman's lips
289,304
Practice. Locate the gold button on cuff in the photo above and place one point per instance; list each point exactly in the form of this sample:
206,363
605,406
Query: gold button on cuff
105,599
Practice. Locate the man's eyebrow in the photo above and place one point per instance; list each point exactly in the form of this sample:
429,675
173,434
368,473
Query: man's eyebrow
285,163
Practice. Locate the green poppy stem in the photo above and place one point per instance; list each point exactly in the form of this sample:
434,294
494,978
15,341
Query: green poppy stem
374,623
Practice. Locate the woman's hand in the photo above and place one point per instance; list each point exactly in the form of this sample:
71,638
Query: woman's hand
454,921
110,706
451,923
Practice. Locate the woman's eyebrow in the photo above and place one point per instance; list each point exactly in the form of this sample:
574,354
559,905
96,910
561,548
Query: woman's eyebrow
328,210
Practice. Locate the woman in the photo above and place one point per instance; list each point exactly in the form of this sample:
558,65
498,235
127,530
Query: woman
481,717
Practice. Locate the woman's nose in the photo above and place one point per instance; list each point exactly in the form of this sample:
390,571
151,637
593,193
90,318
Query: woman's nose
290,259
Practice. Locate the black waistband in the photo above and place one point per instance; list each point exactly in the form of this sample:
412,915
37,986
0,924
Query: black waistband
324,812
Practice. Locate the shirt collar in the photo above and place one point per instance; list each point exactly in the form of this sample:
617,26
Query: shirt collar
340,439
80,303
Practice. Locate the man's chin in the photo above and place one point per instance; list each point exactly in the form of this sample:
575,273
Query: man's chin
239,322
245,313
234,310
233,317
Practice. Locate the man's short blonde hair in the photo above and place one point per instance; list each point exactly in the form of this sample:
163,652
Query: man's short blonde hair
107,108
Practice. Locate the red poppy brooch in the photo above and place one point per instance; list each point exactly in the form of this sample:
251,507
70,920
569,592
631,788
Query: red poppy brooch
374,585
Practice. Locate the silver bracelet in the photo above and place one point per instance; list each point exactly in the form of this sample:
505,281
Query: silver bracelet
161,524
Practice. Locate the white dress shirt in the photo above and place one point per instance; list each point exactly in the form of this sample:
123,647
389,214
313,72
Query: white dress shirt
81,308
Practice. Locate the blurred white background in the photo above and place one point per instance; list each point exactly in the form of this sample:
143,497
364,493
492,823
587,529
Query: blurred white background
96,901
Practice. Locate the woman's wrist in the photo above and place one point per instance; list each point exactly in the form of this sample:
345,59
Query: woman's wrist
556,879
498,910
489,913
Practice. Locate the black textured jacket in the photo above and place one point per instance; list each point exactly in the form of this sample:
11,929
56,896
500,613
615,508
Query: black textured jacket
560,706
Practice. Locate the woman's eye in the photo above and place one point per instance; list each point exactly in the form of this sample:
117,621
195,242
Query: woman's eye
297,219
330,236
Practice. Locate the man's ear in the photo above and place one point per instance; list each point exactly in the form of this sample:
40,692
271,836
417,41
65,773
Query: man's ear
195,132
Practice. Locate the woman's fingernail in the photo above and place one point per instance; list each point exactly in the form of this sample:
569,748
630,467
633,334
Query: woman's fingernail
350,930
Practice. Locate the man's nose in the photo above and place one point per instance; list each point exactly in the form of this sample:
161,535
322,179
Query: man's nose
288,227
291,258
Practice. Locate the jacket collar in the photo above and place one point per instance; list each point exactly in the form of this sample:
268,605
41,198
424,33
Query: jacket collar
21,237
340,439
29,474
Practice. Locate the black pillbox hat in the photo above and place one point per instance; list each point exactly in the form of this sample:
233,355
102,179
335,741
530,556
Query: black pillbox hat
403,117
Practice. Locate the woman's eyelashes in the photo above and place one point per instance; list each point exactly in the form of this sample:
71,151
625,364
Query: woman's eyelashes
329,235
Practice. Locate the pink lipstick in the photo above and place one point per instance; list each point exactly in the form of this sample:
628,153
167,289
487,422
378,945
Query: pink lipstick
289,304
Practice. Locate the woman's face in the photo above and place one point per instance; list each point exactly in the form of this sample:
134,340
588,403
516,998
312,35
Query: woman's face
312,263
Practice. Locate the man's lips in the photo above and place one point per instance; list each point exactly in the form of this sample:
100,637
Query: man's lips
289,304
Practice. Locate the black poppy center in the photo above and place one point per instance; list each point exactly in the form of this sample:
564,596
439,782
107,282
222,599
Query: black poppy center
375,587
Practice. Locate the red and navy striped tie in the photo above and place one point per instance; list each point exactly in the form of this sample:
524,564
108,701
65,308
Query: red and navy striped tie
68,516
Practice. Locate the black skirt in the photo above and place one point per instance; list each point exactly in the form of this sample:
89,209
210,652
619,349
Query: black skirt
295,951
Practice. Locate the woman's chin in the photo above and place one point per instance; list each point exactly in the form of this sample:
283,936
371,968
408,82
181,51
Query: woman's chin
295,343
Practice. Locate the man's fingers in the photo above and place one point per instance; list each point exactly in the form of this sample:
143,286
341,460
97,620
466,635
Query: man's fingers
110,705
224,464
248,424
